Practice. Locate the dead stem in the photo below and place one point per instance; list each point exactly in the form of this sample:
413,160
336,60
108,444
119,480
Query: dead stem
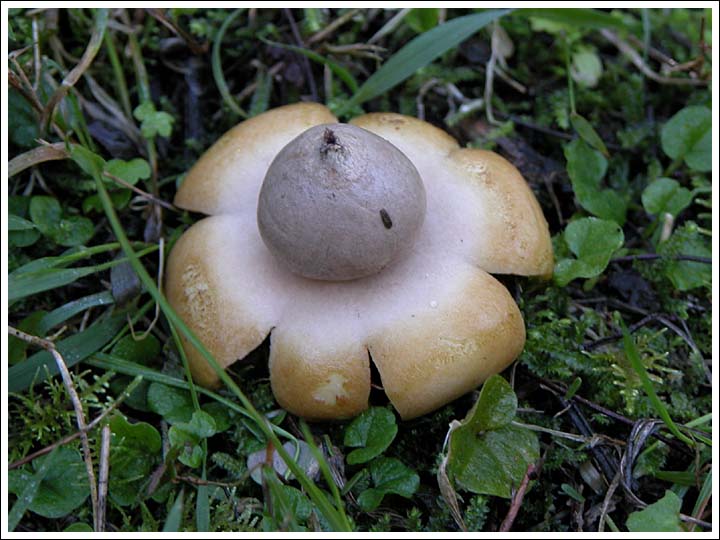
77,405
517,499
104,470
92,425
628,50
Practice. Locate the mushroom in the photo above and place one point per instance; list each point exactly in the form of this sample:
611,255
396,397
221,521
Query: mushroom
355,243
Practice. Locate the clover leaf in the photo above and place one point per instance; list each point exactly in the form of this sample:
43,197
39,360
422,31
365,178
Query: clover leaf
661,516
130,171
388,475
134,452
686,275
47,215
666,195
592,241
487,454
373,430
586,168
187,437
173,404
153,122
62,488
687,136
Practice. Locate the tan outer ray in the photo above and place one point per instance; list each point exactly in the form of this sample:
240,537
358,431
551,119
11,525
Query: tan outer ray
227,178
317,379
436,356
493,216
222,282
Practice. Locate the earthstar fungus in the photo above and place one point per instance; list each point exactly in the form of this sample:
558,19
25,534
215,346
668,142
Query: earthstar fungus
397,269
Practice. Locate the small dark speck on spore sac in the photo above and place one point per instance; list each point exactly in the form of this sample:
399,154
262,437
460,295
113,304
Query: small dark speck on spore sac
386,219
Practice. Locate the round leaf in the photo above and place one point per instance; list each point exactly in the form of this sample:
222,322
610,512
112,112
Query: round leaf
666,195
688,136
593,241
373,430
62,490
389,475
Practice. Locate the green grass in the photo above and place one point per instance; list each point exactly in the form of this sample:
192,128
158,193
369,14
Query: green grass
628,341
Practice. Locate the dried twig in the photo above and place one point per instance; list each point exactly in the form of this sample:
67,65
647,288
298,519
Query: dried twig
71,78
45,152
303,59
77,405
92,425
517,499
330,28
143,194
628,50
103,474
194,46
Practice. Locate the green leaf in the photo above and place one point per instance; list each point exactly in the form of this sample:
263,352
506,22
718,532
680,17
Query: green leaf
491,462
687,275
17,348
202,425
140,435
91,163
73,231
174,518
588,133
586,68
586,168
661,516
135,451
222,416
666,195
633,355
422,19
419,52
173,404
570,19
153,122
487,455
388,475
130,171
141,351
63,313
59,483
79,527
22,123
688,136
45,213
120,198
592,241
26,487
495,407
373,430
16,223
74,349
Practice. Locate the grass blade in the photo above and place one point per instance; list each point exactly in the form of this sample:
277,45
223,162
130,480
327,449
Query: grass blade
63,313
217,66
420,52
343,74
634,357
73,349
174,517
202,506
22,284
576,17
